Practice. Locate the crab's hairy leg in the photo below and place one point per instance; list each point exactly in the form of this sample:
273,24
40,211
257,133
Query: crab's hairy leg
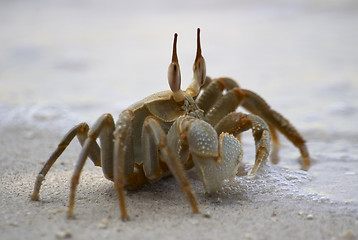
123,159
155,139
275,144
207,82
80,131
95,152
151,137
236,123
226,104
210,95
255,104
101,128
274,135
213,91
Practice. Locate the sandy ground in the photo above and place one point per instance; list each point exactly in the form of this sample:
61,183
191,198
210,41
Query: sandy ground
62,63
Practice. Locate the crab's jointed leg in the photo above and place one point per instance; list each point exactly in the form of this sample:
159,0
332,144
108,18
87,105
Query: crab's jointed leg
212,100
123,160
255,104
275,144
80,131
237,122
103,128
213,91
155,146
226,104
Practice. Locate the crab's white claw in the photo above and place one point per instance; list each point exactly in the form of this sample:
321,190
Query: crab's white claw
216,159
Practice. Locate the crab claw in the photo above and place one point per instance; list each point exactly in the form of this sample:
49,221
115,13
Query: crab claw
213,171
216,158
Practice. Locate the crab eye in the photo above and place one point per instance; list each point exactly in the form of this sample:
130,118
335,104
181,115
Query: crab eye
200,71
199,67
174,76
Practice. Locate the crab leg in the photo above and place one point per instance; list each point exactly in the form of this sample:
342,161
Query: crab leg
226,104
213,91
80,131
257,105
217,107
275,144
154,139
122,160
237,122
151,140
103,128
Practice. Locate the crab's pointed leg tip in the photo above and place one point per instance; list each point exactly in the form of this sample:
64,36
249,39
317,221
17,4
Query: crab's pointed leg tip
305,163
305,167
254,170
70,215
34,197
125,218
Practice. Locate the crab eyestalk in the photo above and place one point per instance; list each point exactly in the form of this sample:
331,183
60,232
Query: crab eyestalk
199,70
174,76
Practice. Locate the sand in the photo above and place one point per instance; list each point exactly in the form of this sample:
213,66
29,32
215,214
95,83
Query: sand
63,63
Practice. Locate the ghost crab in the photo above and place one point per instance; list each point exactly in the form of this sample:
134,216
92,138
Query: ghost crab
171,131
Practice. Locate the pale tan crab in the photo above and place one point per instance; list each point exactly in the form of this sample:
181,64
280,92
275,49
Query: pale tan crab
171,131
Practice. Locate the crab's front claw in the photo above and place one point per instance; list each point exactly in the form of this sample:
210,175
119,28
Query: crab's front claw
216,158
213,171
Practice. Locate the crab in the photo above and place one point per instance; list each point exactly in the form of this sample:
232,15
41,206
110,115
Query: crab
172,131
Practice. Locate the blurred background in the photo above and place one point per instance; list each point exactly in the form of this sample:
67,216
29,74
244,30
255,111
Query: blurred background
62,62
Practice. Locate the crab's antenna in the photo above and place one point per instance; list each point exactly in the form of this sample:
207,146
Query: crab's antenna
174,76
199,70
